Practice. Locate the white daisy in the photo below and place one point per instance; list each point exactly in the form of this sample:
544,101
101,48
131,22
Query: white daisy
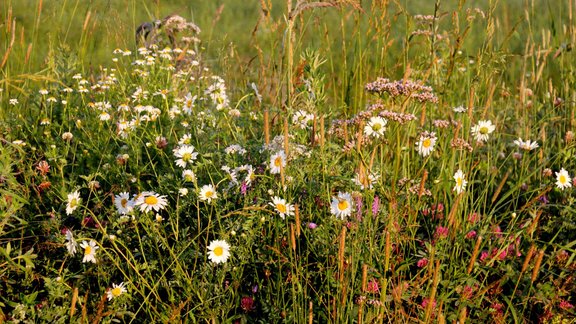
116,291
235,148
149,200
74,201
277,161
188,176
189,102
527,145
71,244
460,109
218,251
282,207
302,119
185,155
207,193
426,143
563,179
185,140
341,205
365,182
375,127
460,182
482,130
124,205
89,251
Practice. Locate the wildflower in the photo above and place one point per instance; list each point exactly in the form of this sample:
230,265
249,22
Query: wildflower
207,193
460,109
89,251
312,225
124,205
277,162
282,207
426,301
341,205
526,145
183,192
43,92
364,181
188,176
460,182
372,286
247,303
43,167
149,200
441,232
185,155
302,119
565,305
235,148
159,218
71,244
375,205
422,263
563,179
376,127
218,251
67,136
116,291
185,140
74,201
13,101
426,143
482,130
471,234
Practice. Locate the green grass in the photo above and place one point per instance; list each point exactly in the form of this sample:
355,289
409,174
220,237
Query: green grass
409,247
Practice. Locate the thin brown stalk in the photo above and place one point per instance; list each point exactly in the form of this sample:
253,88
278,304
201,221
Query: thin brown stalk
321,131
310,313
452,214
433,292
422,183
313,134
74,301
500,186
474,255
9,49
286,141
86,20
292,237
536,269
364,276
266,127
470,103
463,315
528,257
341,250
297,218
387,251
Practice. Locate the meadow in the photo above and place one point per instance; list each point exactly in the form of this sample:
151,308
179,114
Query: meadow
287,161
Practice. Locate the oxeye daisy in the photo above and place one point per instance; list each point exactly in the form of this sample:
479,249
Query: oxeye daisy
185,155
188,176
301,119
89,251
341,205
208,193
563,179
460,182
74,201
71,244
124,205
375,127
282,207
526,145
116,291
149,200
185,140
426,143
364,181
218,251
482,130
277,161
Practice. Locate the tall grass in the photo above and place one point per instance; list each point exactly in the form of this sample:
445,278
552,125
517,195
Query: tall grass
329,218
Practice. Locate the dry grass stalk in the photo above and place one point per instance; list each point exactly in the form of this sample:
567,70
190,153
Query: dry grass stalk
537,265
266,127
341,250
500,186
310,313
74,301
463,315
286,137
297,217
433,293
292,237
321,131
422,183
474,255
528,257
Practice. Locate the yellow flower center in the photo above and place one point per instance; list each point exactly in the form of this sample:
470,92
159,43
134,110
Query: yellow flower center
483,130
562,179
186,157
74,202
459,182
124,202
281,208
278,162
342,204
151,200
189,103
376,127
218,251
117,291
88,250
209,194
426,143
